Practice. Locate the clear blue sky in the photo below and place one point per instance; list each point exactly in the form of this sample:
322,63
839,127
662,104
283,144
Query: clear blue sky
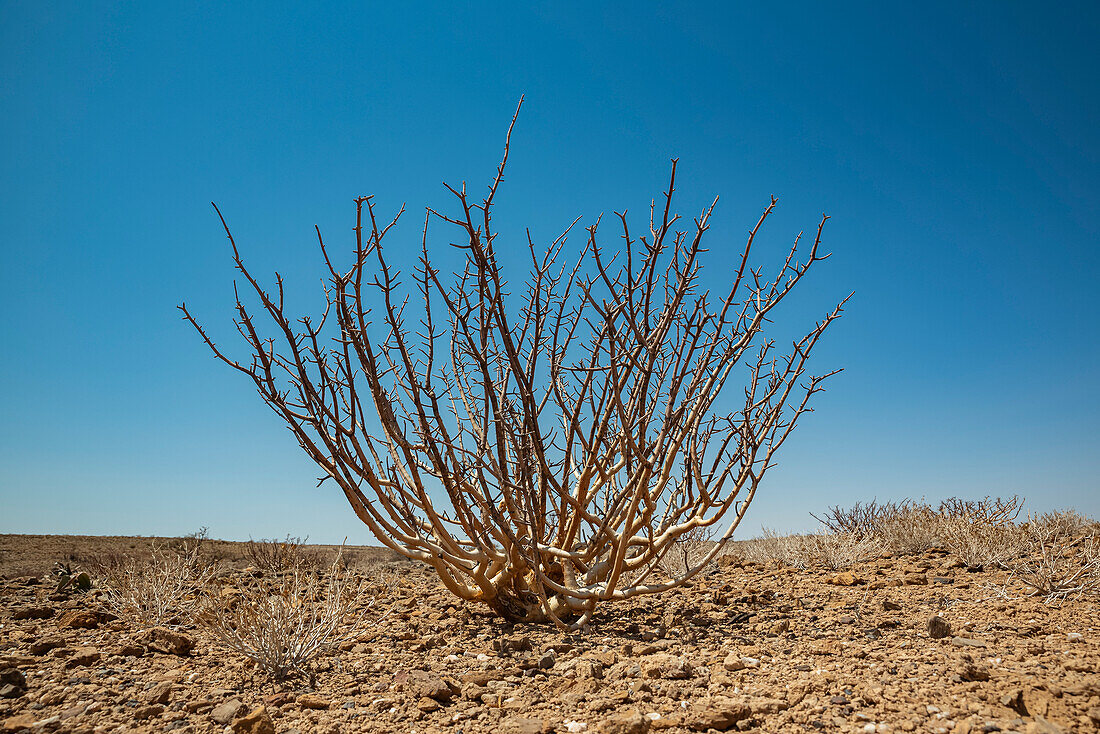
957,148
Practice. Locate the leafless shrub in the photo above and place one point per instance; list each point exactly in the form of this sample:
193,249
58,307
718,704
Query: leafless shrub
157,590
1054,563
279,555
1064,523
988,511
862,518
689,550
915,526
284,622
771,546
912,528
574,426
979,544
838,551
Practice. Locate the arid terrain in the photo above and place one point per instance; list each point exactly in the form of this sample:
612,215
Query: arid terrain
914,643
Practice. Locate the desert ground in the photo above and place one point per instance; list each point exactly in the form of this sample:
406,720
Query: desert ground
917,643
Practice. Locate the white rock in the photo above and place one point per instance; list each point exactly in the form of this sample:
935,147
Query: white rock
575,726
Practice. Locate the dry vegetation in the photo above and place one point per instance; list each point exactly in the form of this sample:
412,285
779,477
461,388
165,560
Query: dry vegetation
1053,555
825,632
282,622
552,446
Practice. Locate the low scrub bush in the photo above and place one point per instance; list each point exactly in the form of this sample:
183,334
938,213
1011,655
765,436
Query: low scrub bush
283,623
771,546
278,556
1059,557
688,551
838,551
162,589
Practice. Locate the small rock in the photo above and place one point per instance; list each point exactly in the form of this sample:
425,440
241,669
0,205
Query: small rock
148,712
83,656
845,578
513,644
1014,700
733,662
428,705
226,712
629,722
164,640
45,644
79,619
782,626
547,661
278,699
257,722
482,677
159,693
1094,714
663,665
422,684
890,606
716,713
13,677
313,701
971,672
1075,636
39,612
10,691
524,725
968,642
938,627
18,723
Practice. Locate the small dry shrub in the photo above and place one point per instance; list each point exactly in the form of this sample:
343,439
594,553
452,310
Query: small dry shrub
163,588
688,551
978,531
838,551
284,622
913,528
862,518
771,546
979,545
280,555
1059,558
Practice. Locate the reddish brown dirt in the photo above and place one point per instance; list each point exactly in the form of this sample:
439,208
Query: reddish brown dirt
747,648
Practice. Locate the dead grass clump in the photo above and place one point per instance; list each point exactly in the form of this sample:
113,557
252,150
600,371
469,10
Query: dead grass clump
162,589
1059,557
277,556
283,623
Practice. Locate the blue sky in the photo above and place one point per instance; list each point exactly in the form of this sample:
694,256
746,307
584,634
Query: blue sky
957,149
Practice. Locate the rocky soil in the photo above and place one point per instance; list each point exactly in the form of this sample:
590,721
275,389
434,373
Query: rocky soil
897,645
